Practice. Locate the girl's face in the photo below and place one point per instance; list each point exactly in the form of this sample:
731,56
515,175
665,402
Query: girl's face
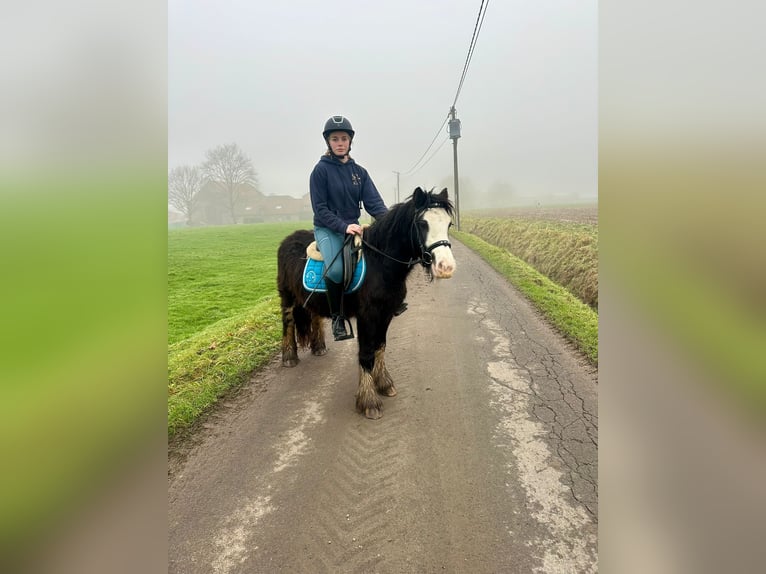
339,143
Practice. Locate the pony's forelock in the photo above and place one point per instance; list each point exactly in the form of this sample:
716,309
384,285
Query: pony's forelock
435,200
406,211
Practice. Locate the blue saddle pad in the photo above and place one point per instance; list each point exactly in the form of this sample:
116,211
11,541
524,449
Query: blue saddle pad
312,276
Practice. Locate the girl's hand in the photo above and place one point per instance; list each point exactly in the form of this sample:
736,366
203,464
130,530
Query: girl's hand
354,229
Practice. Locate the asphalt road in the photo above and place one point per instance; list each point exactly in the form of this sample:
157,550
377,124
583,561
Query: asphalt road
486,461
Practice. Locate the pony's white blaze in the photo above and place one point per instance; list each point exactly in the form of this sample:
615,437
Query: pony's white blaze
438,229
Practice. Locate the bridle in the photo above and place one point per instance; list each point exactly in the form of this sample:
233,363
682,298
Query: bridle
426,251
426,258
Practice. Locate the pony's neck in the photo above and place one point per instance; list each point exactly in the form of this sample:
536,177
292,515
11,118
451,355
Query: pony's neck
392,234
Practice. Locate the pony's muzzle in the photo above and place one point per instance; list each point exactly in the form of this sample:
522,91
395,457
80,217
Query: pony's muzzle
444,265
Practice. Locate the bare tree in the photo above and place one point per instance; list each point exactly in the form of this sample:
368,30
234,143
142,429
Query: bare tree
230,170
184,185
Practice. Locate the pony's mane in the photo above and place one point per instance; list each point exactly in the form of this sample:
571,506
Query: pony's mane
398,219
394,223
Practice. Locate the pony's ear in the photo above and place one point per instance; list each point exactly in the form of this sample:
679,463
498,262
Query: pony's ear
419,198
442,194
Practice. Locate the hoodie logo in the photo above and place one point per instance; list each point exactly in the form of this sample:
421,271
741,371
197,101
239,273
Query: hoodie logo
355,179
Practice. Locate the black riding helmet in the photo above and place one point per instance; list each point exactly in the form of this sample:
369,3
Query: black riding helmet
337,124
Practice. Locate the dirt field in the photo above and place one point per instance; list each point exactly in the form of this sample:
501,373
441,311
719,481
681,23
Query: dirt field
567,214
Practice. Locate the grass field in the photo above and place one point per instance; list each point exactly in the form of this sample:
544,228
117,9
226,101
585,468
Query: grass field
217,272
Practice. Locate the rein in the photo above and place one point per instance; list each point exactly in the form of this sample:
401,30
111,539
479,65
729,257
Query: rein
409,263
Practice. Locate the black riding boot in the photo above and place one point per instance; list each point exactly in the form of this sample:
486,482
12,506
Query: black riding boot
335,299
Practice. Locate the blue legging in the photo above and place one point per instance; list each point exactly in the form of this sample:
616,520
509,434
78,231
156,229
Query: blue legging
330,243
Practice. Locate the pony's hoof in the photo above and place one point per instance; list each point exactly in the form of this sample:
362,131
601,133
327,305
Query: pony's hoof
290,362
319,352
373,413
390,391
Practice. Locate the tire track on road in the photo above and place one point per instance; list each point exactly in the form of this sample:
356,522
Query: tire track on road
354,520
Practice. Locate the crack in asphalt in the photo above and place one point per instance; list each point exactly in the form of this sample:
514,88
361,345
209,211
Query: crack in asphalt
543,429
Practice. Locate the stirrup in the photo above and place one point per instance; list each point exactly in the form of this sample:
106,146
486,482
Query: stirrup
338,323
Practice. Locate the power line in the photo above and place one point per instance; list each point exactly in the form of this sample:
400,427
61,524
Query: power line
412,169
474,39
425,163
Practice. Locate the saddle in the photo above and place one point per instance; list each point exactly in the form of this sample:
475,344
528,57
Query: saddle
354,267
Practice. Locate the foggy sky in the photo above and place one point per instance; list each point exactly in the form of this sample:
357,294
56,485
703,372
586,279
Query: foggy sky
267,75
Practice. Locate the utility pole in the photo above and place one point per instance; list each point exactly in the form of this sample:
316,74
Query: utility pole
454,134
397,186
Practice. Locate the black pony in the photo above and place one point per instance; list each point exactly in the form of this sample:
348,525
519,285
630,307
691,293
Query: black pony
412,232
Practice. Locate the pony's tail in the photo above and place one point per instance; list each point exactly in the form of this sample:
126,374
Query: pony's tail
302,320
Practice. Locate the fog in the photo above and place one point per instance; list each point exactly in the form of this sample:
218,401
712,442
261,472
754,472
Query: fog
266,75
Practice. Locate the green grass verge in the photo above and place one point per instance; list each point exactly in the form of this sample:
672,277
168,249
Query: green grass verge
573,318
204,366
566,252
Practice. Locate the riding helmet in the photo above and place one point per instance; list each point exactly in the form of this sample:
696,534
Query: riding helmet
337,124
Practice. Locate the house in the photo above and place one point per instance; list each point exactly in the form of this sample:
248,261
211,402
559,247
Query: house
271,208
253,207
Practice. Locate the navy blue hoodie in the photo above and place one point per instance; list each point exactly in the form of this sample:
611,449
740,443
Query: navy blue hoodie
337,191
